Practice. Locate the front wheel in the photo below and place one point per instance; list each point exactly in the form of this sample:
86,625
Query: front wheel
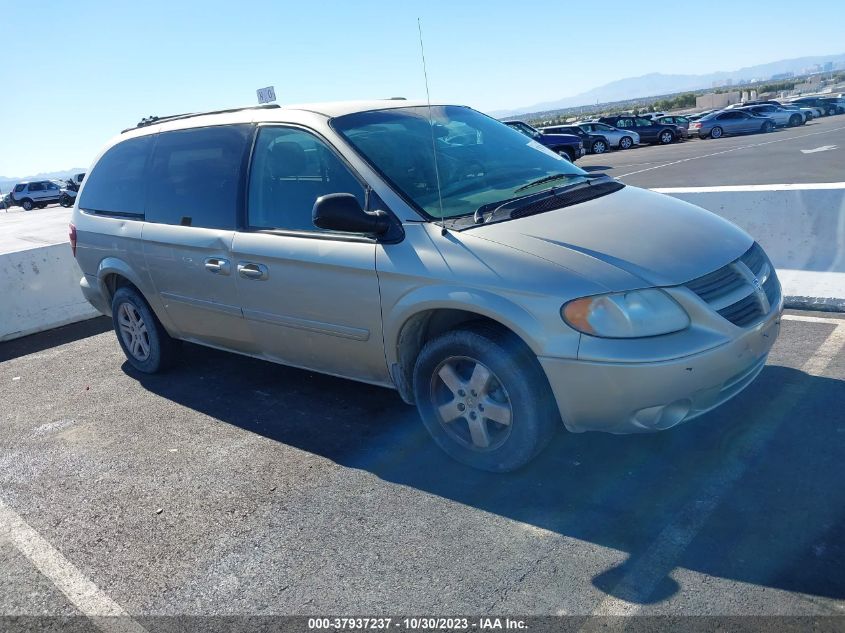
484,398
666,137
148,347
27,204
626,142
768,126
599,147
716,132
795,120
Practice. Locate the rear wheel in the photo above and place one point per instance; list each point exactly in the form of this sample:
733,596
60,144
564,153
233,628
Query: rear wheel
831,111
148,347
564,154
27,205
599,147
484,398
666,137
716,132
626,142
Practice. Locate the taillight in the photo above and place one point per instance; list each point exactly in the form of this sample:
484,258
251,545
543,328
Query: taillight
71,233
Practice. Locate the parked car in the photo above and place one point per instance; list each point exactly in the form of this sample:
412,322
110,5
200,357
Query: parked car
619,139
743,104
593,143
652,115
835,103
649,131
825,108
781,116
499,288
808,113
567,145
35,194
698,115
717,124
681,122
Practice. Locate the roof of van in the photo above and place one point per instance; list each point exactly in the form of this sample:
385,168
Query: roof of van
272,112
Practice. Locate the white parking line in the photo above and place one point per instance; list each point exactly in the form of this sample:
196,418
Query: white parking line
727,151
104,612
649,569
780,187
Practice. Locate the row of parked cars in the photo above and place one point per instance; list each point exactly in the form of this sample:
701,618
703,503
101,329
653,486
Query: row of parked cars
624,131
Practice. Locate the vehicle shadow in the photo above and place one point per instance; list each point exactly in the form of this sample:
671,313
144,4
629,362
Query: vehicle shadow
780,523
592,168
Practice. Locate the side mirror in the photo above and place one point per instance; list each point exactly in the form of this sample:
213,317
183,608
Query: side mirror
343,212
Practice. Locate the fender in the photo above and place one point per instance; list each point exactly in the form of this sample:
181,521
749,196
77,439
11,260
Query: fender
494,306
115,265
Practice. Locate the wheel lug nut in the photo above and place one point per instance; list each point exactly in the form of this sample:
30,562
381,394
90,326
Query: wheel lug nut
461,406
473,415
474,394
461,393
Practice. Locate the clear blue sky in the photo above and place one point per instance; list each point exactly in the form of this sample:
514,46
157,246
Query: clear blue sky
93,68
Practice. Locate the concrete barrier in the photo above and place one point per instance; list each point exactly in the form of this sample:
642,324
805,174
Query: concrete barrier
801,227
39,290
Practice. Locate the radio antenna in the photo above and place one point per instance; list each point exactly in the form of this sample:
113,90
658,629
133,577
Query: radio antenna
431,127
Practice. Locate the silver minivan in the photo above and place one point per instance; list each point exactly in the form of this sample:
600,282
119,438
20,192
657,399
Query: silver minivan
433,250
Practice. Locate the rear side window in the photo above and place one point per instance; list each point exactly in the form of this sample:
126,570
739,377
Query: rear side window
195,176
116,184
36,186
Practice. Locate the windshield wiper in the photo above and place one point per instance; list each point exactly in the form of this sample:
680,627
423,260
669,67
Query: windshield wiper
543,180
511,205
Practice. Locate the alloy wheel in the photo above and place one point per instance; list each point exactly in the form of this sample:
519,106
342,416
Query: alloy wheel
471,403
133,331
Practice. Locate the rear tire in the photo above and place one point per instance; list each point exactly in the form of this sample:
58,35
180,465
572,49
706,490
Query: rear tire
565,154
148,347
666,137
484,398
626,142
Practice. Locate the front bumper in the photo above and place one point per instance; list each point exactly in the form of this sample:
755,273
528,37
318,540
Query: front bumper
643,397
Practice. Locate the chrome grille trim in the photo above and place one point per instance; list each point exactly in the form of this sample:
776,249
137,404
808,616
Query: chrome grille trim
743,291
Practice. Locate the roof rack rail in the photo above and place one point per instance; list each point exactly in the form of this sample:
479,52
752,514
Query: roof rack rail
150,120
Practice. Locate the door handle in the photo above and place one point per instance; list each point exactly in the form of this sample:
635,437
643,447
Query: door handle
249,270
217,266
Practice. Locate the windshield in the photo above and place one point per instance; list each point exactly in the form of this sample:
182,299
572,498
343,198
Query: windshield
479,159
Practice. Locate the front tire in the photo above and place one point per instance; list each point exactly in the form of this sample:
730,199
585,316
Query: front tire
27,205
795,120
484,398
768,126
716,132
626,142
148,347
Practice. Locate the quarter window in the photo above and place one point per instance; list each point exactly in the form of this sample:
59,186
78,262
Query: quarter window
291,168
116,185
36,186
195,176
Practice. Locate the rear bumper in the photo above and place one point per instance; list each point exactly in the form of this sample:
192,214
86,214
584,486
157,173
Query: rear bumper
90,287
643,397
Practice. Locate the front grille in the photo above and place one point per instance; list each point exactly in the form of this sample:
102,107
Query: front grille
731,291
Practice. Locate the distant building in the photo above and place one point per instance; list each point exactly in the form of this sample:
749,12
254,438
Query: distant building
828,67
713,100
782,76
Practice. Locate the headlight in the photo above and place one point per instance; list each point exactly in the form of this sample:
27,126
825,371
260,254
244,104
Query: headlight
626,314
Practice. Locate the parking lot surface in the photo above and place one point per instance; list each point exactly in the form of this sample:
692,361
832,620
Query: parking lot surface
814,152
234,486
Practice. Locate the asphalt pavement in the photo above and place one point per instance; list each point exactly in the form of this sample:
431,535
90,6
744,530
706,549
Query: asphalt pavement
235,486
814,152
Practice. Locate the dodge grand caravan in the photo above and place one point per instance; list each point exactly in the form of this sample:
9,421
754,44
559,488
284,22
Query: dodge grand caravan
435,251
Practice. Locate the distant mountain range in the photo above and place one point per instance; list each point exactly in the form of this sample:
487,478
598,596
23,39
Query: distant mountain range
659,84
7,182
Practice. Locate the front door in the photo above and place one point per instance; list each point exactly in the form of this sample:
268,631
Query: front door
310,297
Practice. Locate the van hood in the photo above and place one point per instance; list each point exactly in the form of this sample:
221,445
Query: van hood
627,239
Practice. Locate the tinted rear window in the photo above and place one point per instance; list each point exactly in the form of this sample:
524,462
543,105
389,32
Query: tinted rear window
195,176
116,184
